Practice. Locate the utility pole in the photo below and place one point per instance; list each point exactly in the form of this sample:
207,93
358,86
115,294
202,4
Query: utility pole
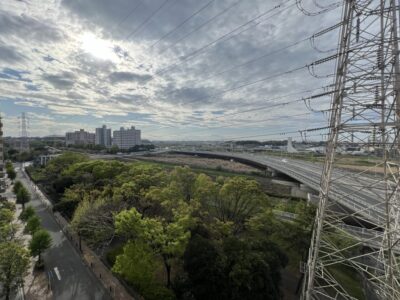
364,241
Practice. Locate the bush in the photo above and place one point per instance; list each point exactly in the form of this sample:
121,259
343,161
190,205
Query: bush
17,186
27,213
7,204
32,225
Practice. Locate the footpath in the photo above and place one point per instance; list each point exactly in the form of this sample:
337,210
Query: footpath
114,287
35,284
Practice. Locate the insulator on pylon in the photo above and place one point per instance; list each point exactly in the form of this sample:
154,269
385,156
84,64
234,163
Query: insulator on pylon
376,93
355,87
380,58
358,30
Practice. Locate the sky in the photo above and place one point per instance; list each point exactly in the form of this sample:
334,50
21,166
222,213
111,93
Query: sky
176,69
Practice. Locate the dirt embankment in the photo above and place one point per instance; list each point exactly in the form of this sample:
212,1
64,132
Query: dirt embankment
200,162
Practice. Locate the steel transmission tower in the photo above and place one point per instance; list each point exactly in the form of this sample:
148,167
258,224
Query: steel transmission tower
358,237
24,142
2,179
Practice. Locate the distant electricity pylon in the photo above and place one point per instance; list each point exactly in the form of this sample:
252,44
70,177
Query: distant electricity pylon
355,245
2,174
24,142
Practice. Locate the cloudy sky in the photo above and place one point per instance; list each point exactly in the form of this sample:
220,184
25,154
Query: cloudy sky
177,69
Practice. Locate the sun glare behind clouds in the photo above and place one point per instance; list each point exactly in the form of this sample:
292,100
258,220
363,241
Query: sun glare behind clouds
97,47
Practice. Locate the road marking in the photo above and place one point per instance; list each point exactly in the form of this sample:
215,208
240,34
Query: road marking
57,273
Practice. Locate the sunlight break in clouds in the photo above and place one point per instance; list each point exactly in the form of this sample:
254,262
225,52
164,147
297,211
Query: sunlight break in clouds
98,47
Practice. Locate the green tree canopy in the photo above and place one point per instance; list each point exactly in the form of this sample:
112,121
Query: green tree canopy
23,197
11,173
17,185
14,262
138,265
32,224
27,213
40,242
166,239
239,199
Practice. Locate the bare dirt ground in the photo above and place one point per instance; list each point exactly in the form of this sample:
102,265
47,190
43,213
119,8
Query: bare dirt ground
359,169
201,162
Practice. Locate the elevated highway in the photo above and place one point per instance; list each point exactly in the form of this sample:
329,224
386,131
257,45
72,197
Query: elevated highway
354,191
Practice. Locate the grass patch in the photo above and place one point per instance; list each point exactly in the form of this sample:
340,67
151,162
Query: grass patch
349,279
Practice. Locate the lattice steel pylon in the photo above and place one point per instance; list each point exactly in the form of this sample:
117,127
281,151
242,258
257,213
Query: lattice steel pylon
24,141
355,245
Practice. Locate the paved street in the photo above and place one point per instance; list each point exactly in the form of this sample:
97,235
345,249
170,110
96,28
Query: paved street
69,277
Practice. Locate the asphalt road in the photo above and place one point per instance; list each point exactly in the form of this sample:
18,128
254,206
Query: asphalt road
70,279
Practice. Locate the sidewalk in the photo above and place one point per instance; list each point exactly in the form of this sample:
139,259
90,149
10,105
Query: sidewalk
35,283
90,259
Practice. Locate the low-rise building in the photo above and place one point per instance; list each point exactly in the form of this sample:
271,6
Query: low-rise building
103,136
42,160
80,137
127,138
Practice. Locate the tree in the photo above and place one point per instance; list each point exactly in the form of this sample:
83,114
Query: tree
6,216
8,229
27,213
33,224
40,242
14,262
168,239
11,173
183,179
23,197
253,268
239,198
206,269
17,185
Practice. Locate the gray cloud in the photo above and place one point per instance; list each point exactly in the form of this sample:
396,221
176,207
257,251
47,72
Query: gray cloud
10,54
28,27
62,81
116,77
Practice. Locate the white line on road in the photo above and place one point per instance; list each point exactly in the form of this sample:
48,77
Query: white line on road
57,273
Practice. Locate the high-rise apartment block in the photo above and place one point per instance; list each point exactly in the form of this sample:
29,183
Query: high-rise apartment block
80,137
126,138
103,136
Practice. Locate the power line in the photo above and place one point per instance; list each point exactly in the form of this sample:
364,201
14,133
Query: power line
196,52
203,24
183,23
251,83
257,58
128,15
147,19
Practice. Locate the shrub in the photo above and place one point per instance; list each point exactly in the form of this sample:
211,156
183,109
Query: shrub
27,213
32,225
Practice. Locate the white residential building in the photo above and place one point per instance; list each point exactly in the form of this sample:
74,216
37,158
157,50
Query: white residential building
126,138
80,137
103,136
